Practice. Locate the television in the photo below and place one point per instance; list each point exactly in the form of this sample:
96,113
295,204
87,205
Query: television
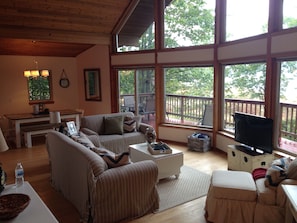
254,132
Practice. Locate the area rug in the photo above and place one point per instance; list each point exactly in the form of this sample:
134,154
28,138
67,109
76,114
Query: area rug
190,185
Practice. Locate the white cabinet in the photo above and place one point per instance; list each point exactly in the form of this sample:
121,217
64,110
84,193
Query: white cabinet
239,159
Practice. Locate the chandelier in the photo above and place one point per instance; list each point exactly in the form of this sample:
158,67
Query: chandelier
36,73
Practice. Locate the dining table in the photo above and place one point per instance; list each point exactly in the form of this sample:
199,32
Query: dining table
18,119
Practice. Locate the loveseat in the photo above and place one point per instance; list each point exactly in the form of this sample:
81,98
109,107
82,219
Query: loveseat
99,193
115,131
258,197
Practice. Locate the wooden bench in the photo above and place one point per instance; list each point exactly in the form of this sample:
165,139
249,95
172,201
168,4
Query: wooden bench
32,130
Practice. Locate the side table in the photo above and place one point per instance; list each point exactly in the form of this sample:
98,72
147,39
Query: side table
291,206
36,211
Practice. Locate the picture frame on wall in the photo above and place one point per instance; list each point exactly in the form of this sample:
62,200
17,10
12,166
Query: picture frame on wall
92,84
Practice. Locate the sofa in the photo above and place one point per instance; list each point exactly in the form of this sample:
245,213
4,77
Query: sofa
100,193
115,131
257,197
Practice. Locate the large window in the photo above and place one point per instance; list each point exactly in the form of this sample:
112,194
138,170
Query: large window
138,32
40,89
189,23
244,90
289,14
137,92
288,106
188,92
246,18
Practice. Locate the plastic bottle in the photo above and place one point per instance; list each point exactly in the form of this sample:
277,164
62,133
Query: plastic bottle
19,175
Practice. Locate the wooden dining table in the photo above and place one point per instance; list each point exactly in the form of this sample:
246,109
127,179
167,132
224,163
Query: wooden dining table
16,120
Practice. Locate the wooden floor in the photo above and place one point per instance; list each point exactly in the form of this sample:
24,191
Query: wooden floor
36,166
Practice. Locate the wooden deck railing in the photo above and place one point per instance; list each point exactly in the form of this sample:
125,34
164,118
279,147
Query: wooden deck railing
190,110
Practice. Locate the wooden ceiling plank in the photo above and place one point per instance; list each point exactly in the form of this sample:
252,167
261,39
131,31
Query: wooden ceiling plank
56,36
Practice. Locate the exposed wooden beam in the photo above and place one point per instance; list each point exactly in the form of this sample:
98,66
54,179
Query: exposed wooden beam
55,35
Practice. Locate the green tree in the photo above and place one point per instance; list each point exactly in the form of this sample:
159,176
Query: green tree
188,23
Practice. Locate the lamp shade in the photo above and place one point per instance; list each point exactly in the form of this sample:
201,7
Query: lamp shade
34,73
55,117
27,73
3,144
44,73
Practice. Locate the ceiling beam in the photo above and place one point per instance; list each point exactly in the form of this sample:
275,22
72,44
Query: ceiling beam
55,35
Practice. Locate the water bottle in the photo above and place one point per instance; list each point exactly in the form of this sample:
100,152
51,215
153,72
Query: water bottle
19,175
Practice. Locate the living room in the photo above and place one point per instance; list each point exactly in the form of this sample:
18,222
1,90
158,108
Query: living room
271,46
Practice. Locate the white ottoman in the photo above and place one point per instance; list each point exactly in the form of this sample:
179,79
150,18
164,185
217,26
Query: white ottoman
232,197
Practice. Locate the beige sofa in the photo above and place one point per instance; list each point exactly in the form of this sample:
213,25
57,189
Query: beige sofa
100,194
98,131
235,196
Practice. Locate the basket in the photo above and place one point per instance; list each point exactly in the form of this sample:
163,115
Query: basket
199,142
12,204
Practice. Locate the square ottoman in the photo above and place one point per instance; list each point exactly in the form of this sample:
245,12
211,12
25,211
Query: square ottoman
231,197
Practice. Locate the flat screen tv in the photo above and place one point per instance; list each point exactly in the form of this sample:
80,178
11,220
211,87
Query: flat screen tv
254,132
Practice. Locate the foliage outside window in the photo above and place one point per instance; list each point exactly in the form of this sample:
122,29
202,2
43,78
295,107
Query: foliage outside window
246,18
288,106
244,89
188,90
189,23
289,14
39,90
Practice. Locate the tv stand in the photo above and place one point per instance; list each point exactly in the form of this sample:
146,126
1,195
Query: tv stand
249,150
241,157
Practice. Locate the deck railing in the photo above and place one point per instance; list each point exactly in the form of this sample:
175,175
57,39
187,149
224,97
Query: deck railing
190,110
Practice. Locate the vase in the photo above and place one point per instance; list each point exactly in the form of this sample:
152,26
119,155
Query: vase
150,135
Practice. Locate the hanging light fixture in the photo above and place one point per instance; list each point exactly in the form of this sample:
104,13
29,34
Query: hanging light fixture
36,73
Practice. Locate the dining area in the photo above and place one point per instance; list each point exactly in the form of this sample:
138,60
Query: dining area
21,127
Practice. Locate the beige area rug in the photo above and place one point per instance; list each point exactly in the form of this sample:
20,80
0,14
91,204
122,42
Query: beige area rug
190,185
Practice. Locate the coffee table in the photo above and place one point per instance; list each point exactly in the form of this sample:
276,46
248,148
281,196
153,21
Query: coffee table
168,164
36,211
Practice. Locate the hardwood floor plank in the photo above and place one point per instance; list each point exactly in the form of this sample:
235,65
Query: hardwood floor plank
37,172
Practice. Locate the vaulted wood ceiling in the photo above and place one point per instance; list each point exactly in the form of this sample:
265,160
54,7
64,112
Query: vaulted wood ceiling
57,27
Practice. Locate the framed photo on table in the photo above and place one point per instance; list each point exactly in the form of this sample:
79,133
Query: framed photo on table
71,128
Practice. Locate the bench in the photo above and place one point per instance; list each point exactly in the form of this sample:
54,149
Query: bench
32,130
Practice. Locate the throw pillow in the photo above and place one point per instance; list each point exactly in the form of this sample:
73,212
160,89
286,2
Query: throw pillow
116,160
83,139
259,173
282,162
113,125
112,160
129,124
274,176
292,170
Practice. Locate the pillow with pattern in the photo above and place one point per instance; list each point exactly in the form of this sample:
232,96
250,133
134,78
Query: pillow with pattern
274,176
277,172
129,124
112,160
117,159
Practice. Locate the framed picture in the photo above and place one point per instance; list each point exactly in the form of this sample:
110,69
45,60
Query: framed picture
92,84
71,128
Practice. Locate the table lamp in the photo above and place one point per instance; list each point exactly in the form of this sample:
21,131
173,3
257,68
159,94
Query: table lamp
55,119
3,144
